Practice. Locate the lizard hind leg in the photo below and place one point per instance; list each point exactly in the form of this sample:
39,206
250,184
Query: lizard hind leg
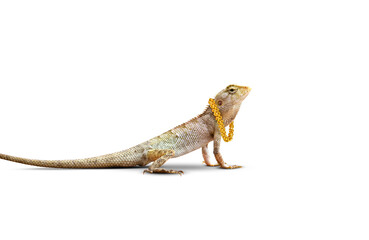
159,157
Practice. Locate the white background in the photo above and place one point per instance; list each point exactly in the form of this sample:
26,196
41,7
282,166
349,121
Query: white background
85,78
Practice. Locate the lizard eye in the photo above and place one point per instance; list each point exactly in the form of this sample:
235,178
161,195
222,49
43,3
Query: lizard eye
232,90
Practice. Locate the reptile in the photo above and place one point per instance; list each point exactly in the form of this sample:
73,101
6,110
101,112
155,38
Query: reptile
187,137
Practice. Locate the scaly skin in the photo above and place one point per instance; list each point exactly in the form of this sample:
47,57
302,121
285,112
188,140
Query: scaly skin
185,138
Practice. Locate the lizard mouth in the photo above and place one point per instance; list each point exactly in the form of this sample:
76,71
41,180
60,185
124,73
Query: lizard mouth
248,89
245,92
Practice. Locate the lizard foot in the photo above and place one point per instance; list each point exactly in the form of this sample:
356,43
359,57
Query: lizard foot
226,166
211,165
162,170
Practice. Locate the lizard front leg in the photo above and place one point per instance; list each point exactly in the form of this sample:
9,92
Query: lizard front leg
218,156
206,156
159,157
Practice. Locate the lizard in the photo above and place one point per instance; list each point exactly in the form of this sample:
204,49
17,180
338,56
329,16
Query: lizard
187,137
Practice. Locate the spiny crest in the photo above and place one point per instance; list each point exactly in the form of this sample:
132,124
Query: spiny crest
198,116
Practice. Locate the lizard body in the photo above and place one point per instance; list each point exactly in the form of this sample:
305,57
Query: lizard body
185,138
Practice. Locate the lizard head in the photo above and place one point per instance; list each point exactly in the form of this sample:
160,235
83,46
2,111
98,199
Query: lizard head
229,101
231,95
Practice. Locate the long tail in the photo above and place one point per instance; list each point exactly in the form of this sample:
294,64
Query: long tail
118,159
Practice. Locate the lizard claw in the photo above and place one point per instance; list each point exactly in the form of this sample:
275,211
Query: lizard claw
180,172
226,166
147,171
211,165
161,170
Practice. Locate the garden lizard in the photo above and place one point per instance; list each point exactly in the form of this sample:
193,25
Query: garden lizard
185,138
